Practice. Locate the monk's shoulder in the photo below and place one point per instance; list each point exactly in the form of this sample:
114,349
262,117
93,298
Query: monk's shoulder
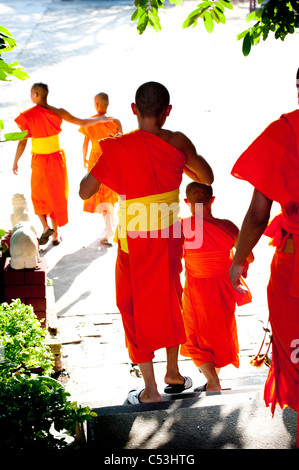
174,138
29,112
227,226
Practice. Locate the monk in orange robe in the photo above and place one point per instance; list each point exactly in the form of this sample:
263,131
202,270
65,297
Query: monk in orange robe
271,165
105,199
145,168
209,301
49,181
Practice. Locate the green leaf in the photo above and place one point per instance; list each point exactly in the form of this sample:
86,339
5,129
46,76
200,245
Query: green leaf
219,7
208,21
15,135
1,125
227,4
215,16
246,48
192,18
142,23
250,17
137,13
5,31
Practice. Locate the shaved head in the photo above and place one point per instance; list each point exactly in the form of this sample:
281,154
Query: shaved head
198,192
41,88
151,99
103,98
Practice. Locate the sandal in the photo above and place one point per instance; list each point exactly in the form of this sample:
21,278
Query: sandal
105,241
179,388
56,242
201,388
133,397
45,236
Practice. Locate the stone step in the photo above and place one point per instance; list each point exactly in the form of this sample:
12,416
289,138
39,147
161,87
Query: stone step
230,419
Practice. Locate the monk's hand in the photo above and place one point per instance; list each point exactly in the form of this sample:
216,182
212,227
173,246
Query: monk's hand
235,274
15,169
115,135
105,118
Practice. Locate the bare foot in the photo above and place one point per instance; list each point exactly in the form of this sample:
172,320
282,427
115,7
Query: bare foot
173,380
213,387
145,397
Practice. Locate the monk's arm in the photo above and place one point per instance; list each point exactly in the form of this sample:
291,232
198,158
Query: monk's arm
253,227
85,150
250,257
66,116
196,167
20,149
89,186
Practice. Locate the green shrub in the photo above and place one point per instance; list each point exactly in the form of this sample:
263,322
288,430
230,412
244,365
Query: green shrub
24,340
33,409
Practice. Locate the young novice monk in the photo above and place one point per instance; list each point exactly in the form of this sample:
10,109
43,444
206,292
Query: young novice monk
104,200
208,299
145,168
49,182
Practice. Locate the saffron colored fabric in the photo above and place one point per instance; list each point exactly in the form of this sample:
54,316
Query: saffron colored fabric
148,288
208,298
49,181
271,165
105,198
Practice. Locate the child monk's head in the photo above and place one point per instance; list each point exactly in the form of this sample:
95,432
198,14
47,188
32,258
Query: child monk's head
199,193
101,103
39,93
152,100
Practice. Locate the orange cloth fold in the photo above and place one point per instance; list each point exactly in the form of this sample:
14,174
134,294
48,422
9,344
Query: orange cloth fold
105,198
271,165
148,288
49,181
209,300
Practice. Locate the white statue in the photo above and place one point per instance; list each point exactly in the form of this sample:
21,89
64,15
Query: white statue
20,209
24,247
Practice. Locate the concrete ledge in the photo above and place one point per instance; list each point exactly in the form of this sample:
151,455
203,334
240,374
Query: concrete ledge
236,419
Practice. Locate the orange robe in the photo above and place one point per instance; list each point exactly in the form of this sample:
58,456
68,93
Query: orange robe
148,288
209,300
271,165
49,181
105,198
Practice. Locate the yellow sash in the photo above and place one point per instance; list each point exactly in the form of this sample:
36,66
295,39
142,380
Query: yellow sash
45,145
155,212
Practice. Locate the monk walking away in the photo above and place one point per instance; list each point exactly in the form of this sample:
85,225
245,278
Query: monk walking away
209,301
105,199
145,167
271,165
49,180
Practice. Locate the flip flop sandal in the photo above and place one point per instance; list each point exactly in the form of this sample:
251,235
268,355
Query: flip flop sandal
105,241
45,236
179,388
56,242
202,388
133,397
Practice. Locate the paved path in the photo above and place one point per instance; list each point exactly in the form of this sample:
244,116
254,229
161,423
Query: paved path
221,100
